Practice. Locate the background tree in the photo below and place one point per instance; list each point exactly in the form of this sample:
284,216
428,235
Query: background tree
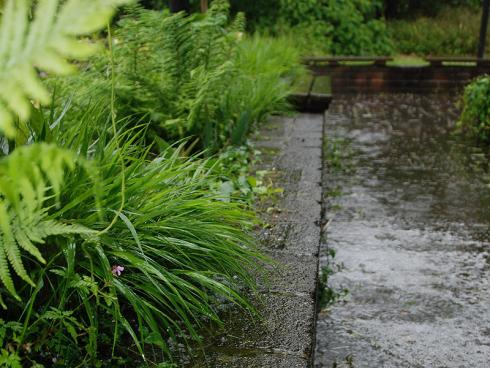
204,6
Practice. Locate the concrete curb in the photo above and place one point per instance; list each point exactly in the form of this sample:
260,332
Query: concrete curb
285,337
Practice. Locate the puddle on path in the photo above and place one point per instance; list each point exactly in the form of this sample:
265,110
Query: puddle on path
411,231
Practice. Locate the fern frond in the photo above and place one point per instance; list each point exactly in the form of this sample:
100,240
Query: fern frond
46,43
239,23
29,180
10,247
5,277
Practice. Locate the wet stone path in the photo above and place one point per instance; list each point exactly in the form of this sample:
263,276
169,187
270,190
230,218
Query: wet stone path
284,335
409,212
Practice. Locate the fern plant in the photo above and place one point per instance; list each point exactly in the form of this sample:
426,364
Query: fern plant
29,179
189,64
46,43
189,76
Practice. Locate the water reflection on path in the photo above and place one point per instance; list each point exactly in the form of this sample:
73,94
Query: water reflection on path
411,231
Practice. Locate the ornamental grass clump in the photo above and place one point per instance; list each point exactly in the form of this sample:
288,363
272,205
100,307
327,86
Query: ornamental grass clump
139,256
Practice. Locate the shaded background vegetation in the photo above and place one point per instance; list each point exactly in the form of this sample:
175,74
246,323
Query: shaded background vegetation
361,27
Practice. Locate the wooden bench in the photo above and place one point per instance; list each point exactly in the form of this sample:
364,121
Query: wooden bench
338,60
445,60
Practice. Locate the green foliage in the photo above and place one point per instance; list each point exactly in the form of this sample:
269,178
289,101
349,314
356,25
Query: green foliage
311,39
235,181
10,360
158,266
402,9
29,179
270,69
263,13
475,118
190,76
338,27
328,294
338,154
46,43
454,31
356,29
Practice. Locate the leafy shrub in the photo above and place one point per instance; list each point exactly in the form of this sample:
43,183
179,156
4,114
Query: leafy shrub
311,39
338,27
475,118
357,31
454,31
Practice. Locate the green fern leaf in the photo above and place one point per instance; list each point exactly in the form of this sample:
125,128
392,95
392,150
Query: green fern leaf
45,43
29,178
11,249
26,242
4,266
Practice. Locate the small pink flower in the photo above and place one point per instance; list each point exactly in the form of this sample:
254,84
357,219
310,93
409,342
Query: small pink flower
117,270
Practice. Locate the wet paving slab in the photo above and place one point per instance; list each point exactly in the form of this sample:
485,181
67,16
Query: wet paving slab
283,336
408,206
